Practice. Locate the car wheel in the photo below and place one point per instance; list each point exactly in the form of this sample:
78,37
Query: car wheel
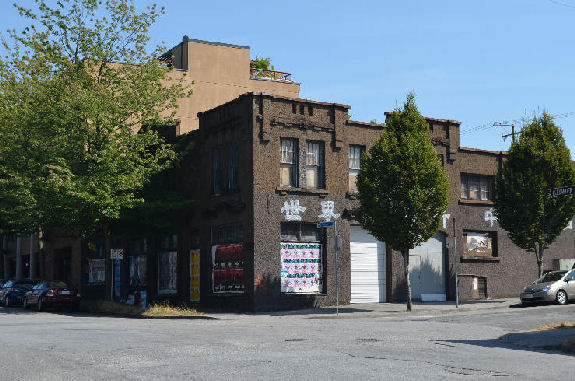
7,301
561,297
40,305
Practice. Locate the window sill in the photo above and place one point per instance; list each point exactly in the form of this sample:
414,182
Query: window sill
466,258
475,202
313,191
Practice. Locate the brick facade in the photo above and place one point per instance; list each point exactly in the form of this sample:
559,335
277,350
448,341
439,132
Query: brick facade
256,123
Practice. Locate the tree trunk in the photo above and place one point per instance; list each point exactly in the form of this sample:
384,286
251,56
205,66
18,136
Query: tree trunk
18,257
407,282
539,253
41,261
108,262
5,273
32,259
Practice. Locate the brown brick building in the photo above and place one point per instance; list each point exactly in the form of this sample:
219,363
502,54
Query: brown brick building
266,169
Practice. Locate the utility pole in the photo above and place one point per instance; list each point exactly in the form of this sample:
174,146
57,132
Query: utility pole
455,264
512,134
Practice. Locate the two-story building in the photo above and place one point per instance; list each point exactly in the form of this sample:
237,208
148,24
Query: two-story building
265,169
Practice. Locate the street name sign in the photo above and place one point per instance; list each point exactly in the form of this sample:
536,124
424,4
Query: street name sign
563,191
325,224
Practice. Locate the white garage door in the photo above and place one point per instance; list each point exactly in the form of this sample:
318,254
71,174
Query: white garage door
367,267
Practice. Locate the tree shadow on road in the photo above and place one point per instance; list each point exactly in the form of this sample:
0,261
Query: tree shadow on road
544,341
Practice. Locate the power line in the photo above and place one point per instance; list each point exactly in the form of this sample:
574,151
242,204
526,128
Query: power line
486,126
557,2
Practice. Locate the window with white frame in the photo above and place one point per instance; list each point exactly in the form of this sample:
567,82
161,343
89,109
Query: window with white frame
355,152
289,163
314,165
476,187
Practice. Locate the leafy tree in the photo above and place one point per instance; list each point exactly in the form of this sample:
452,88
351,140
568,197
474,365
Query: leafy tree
536,163
76,86
402,185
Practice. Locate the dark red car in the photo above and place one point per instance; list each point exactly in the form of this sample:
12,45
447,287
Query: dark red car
48,294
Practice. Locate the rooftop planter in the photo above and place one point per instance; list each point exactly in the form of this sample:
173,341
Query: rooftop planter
261,68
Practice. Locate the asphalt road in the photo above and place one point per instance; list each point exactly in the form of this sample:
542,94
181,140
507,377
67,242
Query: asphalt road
52,346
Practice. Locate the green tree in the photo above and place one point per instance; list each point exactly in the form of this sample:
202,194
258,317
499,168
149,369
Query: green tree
402,185
76,87
536,163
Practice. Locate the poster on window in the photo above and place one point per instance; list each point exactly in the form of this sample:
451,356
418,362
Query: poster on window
138,268
96,271
301,271
195,275
228,268
117,277
478,244
167,273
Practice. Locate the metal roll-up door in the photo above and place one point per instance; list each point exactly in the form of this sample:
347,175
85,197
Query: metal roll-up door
367,267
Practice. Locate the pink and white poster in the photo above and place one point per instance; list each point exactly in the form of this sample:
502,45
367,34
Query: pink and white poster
301,268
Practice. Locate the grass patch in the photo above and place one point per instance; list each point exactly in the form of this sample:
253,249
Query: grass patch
166,309
565,324
160,309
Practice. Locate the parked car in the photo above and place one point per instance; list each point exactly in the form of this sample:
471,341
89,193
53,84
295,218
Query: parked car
47,294
555,286
13,291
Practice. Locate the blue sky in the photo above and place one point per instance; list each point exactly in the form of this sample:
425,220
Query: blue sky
477,62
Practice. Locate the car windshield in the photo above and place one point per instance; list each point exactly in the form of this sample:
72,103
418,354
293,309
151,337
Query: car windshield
551,277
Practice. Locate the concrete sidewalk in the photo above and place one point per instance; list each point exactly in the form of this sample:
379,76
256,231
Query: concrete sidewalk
430,309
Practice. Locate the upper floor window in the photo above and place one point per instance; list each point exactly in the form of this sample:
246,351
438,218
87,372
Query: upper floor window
217,171
233,168
314,165
476,187
289,163
355,153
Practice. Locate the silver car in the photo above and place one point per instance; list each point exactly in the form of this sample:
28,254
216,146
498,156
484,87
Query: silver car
555,286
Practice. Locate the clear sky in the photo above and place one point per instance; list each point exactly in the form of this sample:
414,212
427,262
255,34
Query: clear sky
478,62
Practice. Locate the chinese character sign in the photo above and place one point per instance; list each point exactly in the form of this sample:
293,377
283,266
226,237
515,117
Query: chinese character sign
301,268
490,217
327,211
292,210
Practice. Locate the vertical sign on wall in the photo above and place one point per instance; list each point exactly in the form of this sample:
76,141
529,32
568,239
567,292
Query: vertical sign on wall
117,277
167,273
195,275
96,270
